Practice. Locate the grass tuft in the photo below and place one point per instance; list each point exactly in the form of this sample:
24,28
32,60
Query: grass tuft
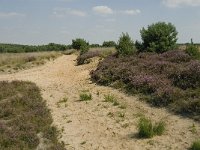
196,145
85,97
147,129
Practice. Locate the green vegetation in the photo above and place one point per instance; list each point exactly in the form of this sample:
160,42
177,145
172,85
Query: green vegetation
170,79
80,44
147,129
24,118
111,98
85,96
125,45
159,37
17,48
196,145
193,50
10,61
108,44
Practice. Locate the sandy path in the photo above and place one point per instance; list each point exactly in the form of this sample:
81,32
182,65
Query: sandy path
87,125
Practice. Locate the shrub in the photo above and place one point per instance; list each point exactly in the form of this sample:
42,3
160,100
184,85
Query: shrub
80,44
170,79
196,145
85,97
193,51
159,37
125,45
83,59
148,130
24,116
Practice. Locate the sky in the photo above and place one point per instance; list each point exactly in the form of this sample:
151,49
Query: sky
37,22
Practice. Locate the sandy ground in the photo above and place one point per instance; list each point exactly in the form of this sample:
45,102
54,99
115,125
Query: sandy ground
98,125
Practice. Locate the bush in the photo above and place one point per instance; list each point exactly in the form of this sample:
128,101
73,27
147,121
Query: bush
83,59
159,37
196,145
193,51
148,130
125,45
80,44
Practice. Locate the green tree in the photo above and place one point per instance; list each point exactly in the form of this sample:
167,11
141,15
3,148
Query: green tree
125,45
159,37
80,44
108,44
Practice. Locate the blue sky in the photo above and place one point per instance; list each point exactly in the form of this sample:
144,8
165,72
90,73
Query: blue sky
60,21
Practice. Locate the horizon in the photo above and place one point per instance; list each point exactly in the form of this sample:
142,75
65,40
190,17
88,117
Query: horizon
40,22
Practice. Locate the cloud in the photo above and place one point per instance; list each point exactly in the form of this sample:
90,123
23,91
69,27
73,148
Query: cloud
63,12
11,14
179,3
131,12
103,10
78,13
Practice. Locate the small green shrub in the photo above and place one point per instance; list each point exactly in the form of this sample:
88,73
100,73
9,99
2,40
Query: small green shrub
125,45
85,97
196,145
147,129
193,51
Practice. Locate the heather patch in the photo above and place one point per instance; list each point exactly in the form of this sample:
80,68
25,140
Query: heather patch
170,79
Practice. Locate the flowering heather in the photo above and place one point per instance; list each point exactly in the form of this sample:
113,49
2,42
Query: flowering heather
168,78
84,57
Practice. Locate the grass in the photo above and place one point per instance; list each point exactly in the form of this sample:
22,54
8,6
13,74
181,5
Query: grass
85,96
23,117
111,99
64,100
147,129
196,145
16,61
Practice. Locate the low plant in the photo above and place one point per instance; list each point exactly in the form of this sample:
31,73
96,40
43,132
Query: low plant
196,145
24,116
85,97
147,129
170,79
111,98
193,51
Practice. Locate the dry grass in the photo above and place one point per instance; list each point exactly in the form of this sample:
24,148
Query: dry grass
10,62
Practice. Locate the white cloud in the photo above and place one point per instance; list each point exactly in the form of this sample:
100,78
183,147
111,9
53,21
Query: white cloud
62,12
131,12
78,13
104,10
178,3
11,14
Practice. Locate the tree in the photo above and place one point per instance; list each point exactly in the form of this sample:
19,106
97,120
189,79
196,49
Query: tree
125,45
108,44
80,44
159,37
